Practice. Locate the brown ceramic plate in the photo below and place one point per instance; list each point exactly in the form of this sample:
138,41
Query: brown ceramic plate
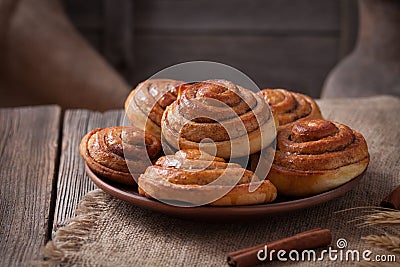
209,213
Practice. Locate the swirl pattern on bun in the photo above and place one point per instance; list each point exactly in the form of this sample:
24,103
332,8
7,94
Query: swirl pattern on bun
315,156
289,107
195,177
145,105
223,117
119,153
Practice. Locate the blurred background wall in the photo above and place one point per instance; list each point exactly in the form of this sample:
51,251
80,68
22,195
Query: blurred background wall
278,43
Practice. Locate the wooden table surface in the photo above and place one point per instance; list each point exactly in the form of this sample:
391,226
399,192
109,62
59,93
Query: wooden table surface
42,176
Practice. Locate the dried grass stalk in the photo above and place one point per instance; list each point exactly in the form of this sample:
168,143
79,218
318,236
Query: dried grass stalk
387,241
382,217
388,219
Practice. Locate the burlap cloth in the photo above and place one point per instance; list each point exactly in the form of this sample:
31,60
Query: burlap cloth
110,232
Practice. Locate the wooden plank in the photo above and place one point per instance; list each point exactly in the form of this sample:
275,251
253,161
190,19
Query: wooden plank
348,25
72,180
87,19
95,39
209,15
87,15
237,15
295,62
166,32
118,35
28,156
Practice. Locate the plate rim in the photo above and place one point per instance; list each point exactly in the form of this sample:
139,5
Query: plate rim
258,209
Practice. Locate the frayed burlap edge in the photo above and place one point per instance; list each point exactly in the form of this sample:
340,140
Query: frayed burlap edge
69,239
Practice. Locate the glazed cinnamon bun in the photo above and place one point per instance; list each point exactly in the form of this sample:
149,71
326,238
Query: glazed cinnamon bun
315,156
289,107
145,105
197,178
222,118
119,153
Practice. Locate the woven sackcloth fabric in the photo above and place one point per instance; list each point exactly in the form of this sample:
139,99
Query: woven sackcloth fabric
110,232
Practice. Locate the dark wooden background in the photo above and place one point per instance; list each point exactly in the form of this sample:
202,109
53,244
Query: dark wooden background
278,43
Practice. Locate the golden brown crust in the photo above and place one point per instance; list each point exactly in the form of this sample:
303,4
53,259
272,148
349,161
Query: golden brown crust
119,153
195,177
289,107
315,156
145,105
237,120
308,183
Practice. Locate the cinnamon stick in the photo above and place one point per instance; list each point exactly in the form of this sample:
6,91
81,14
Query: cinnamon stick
306,240
392,200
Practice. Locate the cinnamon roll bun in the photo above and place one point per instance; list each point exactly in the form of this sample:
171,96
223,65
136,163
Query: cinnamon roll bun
315,156
289,107
226,120
194,177
119,153
145,105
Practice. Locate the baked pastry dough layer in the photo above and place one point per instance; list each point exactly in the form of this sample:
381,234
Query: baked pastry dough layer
145,105
315,156
289,107
119,153
220,117
197,178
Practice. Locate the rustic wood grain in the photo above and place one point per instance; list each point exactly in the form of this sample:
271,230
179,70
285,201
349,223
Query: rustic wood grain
28,156
271,41
238,15
72,180
118,37
232,15
87,15
299,63
348,25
